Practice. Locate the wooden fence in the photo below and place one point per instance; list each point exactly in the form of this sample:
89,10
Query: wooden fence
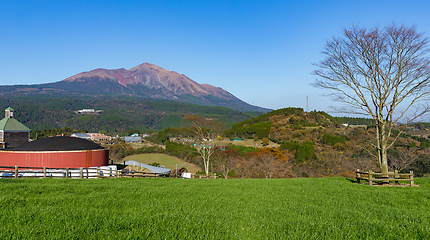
94,172
373,177
214,176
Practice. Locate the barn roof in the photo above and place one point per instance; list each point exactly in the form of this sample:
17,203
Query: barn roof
61,143
12,125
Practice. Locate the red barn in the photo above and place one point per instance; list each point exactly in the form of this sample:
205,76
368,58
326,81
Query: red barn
56,152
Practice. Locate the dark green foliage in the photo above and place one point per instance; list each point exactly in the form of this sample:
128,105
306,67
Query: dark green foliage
424,145
424,142
243,149
40,112
161,137
260,130
353,121
180,150
332,140
290,146
36,134
303,152
306,151
123,151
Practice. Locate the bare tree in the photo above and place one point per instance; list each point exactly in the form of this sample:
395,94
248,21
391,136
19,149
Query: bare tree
244,166
401,159
382,73
225,160
206,131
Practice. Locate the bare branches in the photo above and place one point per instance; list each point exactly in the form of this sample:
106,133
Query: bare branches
401,159
206,131
377,72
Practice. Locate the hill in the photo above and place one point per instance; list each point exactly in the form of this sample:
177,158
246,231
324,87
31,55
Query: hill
321,145
145,81
46,112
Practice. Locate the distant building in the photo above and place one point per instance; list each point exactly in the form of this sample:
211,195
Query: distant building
130,139
89,111
12,132
354,126
99,137
81,135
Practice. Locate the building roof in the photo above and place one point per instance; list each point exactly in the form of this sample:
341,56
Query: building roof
81,135
153,169
61,143
9,108
12,125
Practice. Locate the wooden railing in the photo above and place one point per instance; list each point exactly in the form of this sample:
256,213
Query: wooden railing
96,172
373,177
133,174
214,176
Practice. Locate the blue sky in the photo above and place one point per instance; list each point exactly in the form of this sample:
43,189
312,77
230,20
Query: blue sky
260,51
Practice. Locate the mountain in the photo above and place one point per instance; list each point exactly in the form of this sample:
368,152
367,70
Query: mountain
143,81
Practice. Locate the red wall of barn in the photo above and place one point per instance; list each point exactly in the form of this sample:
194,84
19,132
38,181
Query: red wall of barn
55,159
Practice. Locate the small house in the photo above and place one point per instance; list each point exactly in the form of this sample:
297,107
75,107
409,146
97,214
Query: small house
12,132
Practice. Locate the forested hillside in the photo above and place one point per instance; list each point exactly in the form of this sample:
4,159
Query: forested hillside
42,112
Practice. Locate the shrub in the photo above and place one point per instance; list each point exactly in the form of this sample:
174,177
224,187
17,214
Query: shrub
306,151
332,140
339,146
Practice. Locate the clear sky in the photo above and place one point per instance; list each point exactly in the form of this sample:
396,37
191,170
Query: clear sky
260,51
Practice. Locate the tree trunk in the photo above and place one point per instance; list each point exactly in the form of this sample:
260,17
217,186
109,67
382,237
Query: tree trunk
383,148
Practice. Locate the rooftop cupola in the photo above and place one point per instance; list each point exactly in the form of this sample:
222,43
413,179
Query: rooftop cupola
9,112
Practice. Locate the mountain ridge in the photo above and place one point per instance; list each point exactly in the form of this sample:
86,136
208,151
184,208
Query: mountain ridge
146,80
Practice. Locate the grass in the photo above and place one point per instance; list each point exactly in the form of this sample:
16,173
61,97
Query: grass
329,208
247,143
163,159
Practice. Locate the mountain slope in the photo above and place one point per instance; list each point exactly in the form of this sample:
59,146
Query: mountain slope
41,112
143,81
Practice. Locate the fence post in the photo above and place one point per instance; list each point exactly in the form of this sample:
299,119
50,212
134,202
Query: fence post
358,175
44,171
370,178
16,171
81,173
98,172
396,175
67,172
412,178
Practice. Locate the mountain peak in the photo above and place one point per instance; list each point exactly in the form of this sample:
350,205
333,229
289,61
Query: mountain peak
145,80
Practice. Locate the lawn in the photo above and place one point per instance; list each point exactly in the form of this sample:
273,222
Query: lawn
163,159
327,208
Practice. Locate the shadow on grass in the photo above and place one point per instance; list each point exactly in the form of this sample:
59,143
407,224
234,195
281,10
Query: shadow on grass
352,180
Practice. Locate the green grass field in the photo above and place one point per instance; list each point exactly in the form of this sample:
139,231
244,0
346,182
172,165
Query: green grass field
163,159
328,208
